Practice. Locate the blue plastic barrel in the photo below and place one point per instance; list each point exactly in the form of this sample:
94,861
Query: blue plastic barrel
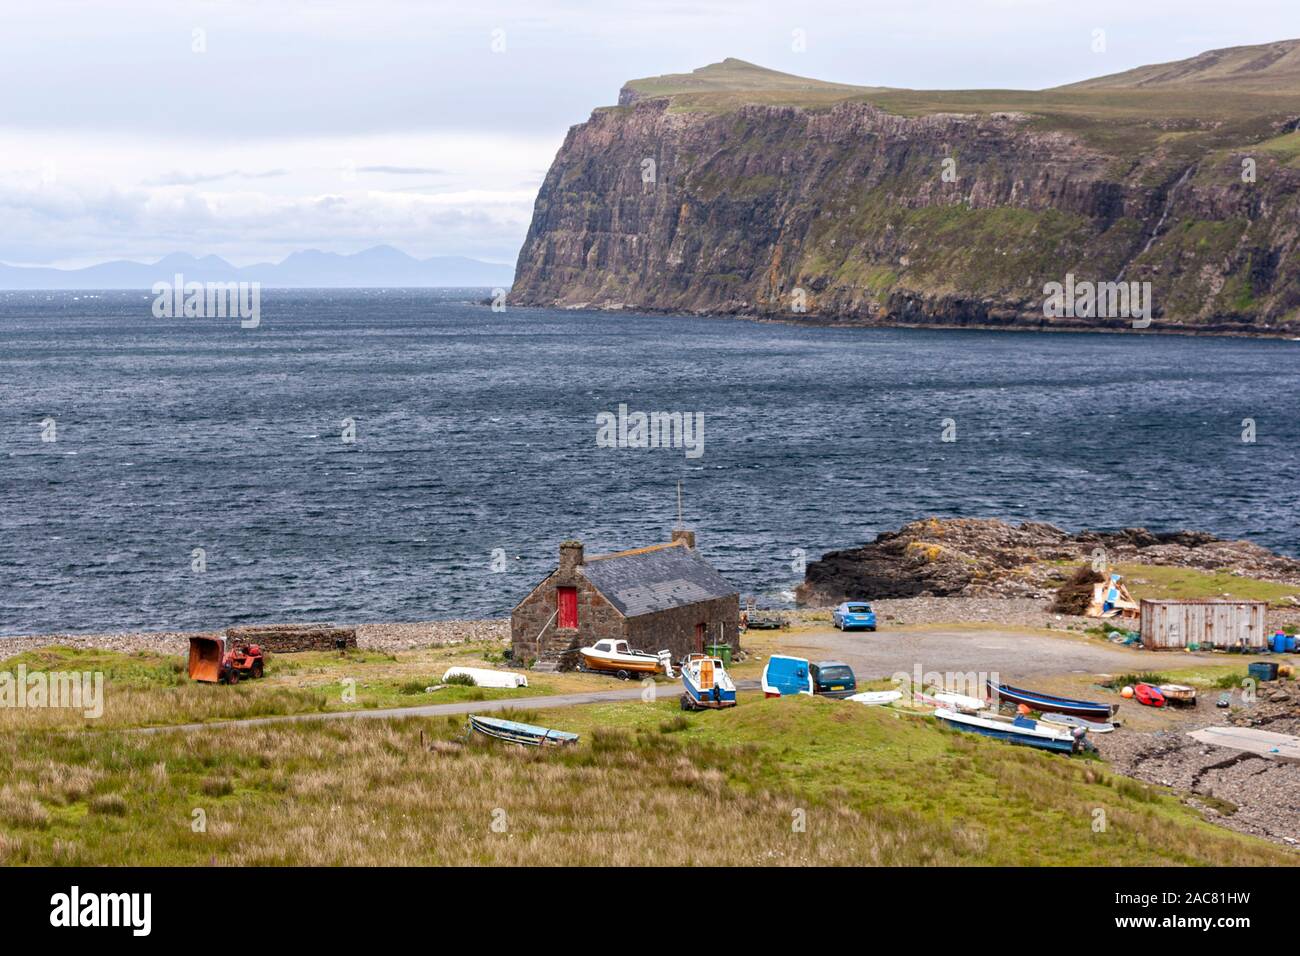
1279,643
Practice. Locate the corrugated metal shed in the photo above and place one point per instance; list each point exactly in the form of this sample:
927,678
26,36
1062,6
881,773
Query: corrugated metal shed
1218,624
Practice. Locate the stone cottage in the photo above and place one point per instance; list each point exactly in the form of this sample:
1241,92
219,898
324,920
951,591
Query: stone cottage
664,596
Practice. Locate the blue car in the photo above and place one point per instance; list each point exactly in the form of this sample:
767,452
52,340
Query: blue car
854,614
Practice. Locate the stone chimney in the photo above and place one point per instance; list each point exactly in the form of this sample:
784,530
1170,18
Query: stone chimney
570,554
682,534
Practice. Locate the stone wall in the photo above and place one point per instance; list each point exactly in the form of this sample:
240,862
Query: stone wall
675,629
597,619
287,638
535,634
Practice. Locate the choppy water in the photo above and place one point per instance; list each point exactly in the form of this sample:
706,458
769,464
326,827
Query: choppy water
477,430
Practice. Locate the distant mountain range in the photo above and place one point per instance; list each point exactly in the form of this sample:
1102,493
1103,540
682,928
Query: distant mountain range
380,267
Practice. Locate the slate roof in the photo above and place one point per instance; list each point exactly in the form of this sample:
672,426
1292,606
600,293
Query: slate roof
655,579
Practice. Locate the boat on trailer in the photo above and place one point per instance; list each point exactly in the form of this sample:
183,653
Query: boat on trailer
1051,704
527,735
1016,730
707,684
615,657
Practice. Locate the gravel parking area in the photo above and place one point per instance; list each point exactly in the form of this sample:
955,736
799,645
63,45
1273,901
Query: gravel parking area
381,637
1010,653
1010,612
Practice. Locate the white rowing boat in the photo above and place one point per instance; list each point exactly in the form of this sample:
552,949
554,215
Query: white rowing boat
876,698
485,677
1069,720
958,702
1016,730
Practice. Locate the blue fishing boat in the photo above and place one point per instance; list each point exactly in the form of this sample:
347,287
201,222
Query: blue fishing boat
517,733
707,684
1050,704
1015,730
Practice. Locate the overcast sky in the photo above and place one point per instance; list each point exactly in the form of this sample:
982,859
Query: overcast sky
252,129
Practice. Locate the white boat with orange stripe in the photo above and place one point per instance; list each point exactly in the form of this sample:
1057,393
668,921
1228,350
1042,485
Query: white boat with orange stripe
615,657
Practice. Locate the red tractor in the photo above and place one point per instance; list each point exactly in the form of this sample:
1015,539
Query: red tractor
216,660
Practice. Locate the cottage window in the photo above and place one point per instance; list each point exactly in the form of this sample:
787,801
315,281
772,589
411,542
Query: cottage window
566,600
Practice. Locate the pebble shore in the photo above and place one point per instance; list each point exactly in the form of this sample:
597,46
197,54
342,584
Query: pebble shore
1009,612
379,637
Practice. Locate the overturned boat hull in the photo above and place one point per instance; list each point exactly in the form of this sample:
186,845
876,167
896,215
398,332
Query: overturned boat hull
876,698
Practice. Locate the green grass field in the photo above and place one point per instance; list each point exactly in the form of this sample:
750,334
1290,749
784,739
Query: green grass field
1154,582
785,782
1183,117
149,689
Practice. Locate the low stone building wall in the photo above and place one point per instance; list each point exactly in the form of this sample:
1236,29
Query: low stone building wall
288,638
659,597
675,629
534,631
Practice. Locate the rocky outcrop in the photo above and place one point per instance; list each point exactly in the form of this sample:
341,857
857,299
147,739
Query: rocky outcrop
974,557
849,213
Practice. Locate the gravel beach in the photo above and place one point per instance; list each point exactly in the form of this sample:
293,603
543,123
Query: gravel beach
379,637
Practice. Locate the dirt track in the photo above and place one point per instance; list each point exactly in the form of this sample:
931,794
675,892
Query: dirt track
621,692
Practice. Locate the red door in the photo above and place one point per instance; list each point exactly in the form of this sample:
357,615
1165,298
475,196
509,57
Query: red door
699,638
567,602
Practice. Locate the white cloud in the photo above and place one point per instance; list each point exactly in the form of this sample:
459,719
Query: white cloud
66,207
337,123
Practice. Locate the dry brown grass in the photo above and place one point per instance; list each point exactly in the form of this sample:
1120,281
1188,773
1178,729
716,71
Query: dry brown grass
871,790
151,689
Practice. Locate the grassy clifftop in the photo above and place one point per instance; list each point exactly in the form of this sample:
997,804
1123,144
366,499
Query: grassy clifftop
738,189
1236,93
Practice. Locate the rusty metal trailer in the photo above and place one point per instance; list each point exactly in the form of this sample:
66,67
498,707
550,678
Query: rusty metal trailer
1204,625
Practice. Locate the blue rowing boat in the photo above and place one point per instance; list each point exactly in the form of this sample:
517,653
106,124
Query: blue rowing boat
517,733
1050,704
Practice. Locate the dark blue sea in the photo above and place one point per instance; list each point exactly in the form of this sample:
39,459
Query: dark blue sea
476,431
